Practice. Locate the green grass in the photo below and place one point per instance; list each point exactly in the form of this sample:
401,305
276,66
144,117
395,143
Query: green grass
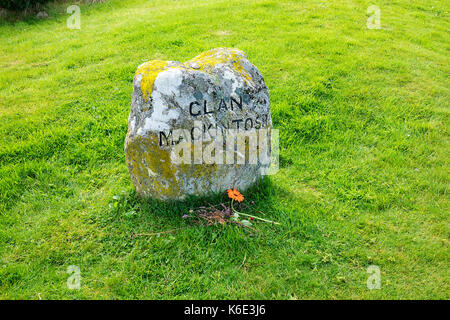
363,118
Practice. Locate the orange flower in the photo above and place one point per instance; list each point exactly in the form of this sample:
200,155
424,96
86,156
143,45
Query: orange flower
235,195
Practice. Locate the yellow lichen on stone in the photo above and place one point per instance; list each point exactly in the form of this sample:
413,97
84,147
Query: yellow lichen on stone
144,154
149,71
209,59
155,175
205,62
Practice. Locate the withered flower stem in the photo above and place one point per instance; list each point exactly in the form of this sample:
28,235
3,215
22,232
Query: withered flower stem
249,215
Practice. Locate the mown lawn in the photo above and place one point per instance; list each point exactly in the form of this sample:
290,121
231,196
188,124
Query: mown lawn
363,117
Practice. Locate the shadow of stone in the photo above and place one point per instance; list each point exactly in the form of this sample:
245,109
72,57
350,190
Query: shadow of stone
259,199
